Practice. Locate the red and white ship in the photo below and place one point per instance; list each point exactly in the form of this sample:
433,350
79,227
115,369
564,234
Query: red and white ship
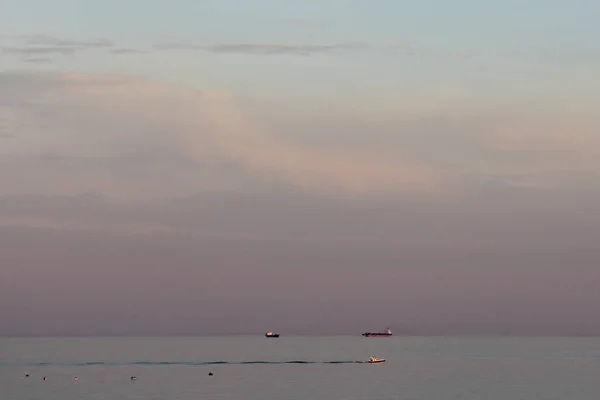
387,333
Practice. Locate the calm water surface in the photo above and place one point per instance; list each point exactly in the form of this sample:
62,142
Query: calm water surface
417,368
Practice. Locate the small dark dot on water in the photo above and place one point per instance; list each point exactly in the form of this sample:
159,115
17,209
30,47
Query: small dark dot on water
26,375
210,374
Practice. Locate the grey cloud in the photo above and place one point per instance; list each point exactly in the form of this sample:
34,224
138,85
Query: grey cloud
39,60
264,49
127,51
40,50
42,40
42,44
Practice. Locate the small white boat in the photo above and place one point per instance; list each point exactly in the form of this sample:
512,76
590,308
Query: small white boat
375,360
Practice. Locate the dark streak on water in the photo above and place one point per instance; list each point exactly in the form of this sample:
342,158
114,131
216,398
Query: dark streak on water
189,363
300,368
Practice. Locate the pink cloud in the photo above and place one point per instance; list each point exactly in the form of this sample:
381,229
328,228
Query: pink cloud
97,114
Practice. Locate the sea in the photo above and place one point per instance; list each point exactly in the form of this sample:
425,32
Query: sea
290,368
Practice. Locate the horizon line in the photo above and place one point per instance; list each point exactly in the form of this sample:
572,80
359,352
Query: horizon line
294,335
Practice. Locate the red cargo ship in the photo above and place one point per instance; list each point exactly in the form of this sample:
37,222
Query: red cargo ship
387,333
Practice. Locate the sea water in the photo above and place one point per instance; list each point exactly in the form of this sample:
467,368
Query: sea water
258,368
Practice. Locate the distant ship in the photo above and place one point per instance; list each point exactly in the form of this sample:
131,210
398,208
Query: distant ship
271,335
387,333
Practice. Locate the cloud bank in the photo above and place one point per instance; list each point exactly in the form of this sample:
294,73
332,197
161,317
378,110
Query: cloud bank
264,49
126,114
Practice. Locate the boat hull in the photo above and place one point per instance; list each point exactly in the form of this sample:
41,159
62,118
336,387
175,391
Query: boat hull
376,334
275,335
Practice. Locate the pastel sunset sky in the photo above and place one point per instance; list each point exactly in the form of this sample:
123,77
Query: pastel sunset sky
312,167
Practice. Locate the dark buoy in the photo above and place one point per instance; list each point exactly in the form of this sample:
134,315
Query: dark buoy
210,374
44,378
26,375
133,378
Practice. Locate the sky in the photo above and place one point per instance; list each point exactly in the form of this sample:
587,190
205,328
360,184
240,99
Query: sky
309,167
